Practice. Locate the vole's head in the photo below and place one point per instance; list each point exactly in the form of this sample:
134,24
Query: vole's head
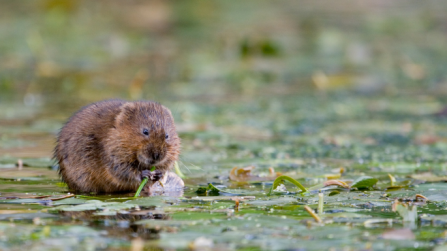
146,134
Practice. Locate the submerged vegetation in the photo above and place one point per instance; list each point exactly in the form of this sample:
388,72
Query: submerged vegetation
305,125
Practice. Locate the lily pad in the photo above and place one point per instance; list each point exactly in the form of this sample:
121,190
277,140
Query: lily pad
93,205
364,182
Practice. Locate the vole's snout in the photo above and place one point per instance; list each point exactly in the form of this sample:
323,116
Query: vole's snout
159,156
156,156
151,156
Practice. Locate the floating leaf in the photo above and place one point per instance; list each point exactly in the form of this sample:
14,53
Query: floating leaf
273,202
241,174
244,174
93,205
332,193
364,182
281,179
152,201
69,201
336,182
210,189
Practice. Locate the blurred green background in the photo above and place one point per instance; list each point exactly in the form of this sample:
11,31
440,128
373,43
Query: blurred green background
304,87
260,68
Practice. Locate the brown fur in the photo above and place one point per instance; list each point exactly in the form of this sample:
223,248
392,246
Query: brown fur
102,147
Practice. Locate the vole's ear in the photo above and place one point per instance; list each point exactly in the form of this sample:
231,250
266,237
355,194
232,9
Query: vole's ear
167,111
127,113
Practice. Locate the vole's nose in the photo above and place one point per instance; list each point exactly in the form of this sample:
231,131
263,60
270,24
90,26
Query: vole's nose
156,156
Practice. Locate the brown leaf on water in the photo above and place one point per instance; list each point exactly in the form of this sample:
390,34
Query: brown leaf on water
244,174
421,197
245,171
335,182
235,176
62,197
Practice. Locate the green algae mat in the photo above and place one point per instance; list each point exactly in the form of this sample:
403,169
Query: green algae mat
304,126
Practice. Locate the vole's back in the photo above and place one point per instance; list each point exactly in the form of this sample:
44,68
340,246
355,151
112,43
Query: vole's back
80,148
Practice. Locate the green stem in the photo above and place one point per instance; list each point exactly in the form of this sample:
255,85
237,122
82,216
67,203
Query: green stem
177,171
320,203
143,183
280,179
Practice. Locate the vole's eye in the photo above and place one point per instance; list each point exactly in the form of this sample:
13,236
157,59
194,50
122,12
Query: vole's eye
145,131
166,136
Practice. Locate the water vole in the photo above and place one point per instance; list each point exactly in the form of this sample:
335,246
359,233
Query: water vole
110,145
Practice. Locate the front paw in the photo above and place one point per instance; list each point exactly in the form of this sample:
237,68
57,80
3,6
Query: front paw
155,175
145,174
